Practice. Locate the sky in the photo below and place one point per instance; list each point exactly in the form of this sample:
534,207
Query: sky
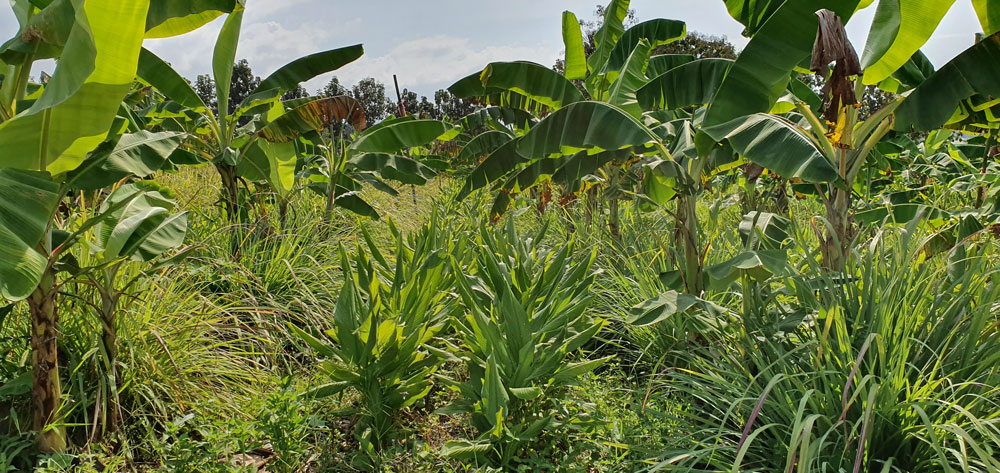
430,44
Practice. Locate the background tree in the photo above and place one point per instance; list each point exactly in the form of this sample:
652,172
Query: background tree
370,93
299,93
452,106
244,82
701,46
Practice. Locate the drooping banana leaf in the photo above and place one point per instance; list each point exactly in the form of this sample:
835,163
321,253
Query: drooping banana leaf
662,63
694,83
397,136
27,201
534,81
395,167
656,32
761,73
168,18
776,144
973,72
144,227
315,115
138,154
584,126
483,145
501,162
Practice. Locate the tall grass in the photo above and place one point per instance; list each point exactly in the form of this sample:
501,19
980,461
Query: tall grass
894,370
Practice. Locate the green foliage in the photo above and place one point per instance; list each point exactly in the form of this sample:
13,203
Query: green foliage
526,322
386,324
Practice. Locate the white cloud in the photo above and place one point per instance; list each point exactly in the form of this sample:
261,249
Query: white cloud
437,61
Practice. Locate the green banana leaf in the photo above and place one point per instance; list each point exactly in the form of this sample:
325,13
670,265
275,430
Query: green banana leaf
657,32
660,64
289,76
483,145
142,229
632,77
138,154
989,15
608,34
534,81
157,73
576,58
694,83
27,201
223,59
776,144
973,72
761,73
584,126
501,162
400,135
899,30
80,102
395,167
168,18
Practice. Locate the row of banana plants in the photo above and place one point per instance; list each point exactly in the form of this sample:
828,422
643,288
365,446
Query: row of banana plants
659,129
76,204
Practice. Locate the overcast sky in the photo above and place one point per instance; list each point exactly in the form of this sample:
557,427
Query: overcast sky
431,43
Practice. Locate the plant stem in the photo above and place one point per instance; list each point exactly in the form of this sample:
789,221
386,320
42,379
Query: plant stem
46,392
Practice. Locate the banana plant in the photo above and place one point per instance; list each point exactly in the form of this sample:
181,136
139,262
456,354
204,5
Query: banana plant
526,320
336,166
638,114
385,343
48,131
221,138
139,223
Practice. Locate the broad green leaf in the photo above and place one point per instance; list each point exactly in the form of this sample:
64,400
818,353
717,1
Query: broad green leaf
764,229
667,305
761,73
138,154
49,29
27,200
632,77
989,15
143,228
391,166
271,162
752,13
482,145
576,59
499,163
662,63
537,82
900,29
608,35
934,102
289,76
657,32
168,18
157,73
694,83
79,104
223,59
584,126
317,115
776,144
404,134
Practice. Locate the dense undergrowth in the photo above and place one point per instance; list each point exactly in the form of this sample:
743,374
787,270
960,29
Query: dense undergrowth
433,341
